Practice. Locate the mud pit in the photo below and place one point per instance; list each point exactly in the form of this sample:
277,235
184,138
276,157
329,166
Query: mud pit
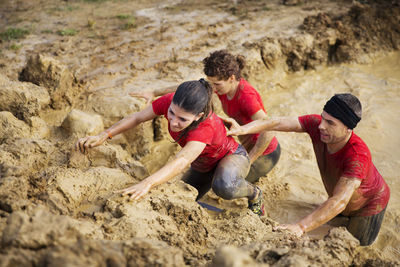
70,77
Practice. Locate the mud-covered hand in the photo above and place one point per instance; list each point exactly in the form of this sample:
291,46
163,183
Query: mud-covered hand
147,95
233,127
230,123
87,142
136,191
294,228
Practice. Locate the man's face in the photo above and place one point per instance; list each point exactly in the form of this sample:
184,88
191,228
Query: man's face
331,129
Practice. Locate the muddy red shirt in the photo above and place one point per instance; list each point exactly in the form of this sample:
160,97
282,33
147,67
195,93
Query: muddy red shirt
242,106
352,161
211,131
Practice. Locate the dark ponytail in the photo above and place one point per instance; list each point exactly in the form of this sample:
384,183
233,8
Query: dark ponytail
194,97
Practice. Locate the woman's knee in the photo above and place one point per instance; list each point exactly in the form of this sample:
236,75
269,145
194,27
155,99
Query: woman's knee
228,181
224,188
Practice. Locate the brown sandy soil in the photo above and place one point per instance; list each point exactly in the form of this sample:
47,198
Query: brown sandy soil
68,76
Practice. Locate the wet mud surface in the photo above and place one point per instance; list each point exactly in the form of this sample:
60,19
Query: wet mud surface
68,76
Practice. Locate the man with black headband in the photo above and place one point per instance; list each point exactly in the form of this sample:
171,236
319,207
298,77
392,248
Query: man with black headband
354,186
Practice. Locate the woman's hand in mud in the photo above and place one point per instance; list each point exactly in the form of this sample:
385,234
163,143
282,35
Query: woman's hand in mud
87,142
136,191
233,127
147,95
294,228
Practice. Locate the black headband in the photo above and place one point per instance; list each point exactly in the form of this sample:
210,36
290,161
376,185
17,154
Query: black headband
341,111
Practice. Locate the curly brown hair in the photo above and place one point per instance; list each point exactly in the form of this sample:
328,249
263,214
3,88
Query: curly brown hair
222,64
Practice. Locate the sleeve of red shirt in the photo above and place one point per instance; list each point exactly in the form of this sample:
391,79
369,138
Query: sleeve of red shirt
161,105
310,124
249,103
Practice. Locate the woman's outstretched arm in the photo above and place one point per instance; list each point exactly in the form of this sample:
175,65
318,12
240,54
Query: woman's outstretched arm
181,161
127,123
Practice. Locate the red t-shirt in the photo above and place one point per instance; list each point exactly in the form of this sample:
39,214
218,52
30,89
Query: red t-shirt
211,131
352,161
242,106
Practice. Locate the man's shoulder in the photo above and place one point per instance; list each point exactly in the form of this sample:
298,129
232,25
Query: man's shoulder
356,145
310,122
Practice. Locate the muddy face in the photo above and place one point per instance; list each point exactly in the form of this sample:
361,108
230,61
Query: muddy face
333,131
179,119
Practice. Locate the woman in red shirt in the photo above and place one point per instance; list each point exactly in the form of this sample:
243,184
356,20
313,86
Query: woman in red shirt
217,161
241,102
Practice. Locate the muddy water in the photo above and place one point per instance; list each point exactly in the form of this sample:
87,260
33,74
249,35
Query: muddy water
378,87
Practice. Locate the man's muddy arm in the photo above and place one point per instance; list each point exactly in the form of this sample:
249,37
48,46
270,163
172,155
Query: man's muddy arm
283,124
182,160
342,194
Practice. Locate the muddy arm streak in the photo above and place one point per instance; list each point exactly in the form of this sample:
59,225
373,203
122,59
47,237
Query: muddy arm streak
333,206
282,124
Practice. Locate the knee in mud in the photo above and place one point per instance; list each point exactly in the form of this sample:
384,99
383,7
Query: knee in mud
222,189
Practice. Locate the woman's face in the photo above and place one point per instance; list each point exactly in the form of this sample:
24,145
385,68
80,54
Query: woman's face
179,118
223,87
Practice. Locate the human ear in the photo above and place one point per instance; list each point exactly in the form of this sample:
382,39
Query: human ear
198,116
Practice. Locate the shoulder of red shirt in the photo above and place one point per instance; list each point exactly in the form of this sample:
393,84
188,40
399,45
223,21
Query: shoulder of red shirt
161,104
309,121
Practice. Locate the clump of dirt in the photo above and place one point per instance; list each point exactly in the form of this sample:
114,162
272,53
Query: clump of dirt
364,29
51,74
329,38
40,238
24,100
